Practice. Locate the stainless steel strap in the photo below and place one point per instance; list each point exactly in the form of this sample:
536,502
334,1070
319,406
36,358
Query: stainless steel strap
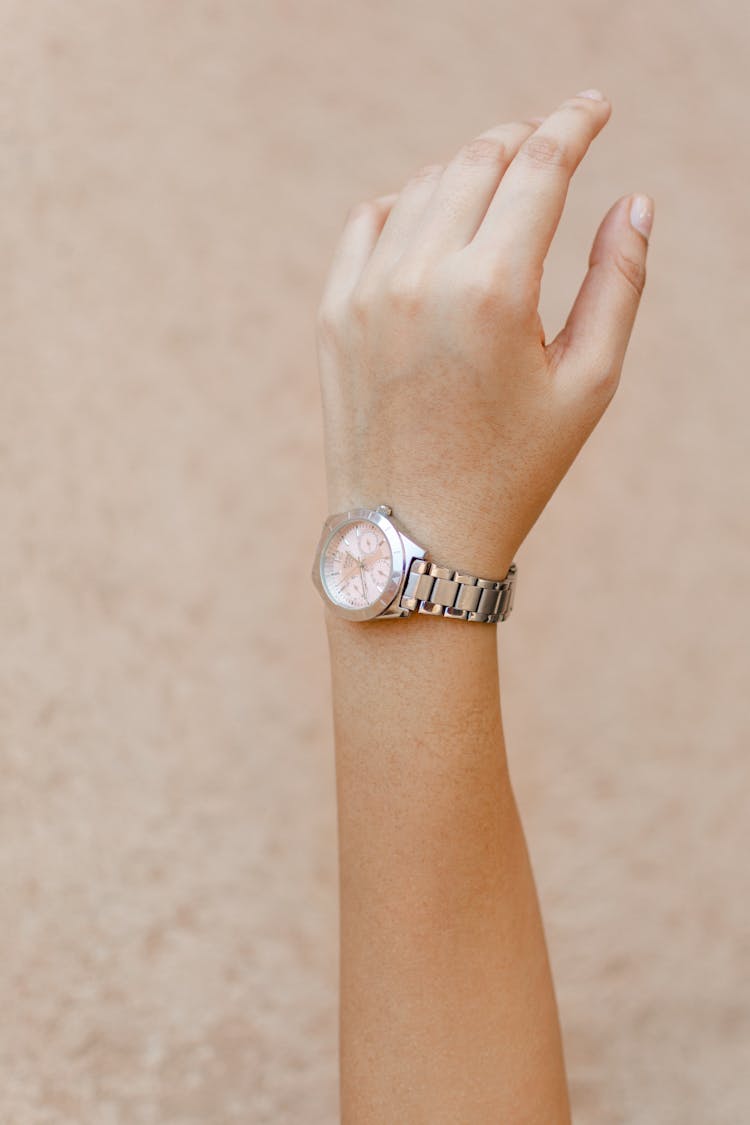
443,592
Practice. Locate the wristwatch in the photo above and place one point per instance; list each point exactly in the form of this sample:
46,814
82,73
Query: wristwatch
367,567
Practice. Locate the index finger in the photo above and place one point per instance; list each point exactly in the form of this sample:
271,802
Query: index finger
523,215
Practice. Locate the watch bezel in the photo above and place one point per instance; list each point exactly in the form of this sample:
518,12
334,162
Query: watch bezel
398,561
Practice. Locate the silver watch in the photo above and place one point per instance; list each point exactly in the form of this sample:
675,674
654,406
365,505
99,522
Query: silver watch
366,566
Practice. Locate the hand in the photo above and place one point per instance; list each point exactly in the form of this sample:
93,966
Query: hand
440,394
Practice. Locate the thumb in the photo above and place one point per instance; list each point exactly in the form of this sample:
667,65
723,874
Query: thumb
591,346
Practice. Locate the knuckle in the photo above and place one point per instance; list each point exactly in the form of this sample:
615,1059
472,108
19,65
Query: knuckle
632,268
604,382
601,377
361,302
583,106
482,150
326,320
483,294
587,103
522,293
545,151
406,291
427,173
489,290
329,322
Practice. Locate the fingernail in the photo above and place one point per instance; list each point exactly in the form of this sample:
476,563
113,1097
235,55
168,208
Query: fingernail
642,214
595,95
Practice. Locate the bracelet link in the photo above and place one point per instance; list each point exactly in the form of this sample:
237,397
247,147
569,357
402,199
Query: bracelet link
441,591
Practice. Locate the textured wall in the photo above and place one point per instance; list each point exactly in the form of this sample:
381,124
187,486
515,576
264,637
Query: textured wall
173,177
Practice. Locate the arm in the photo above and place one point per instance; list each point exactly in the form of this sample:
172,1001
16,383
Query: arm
442,398
447,1008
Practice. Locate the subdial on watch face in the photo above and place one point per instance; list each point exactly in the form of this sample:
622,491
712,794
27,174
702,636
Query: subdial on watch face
357,564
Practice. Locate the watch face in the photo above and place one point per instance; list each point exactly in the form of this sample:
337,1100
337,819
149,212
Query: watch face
357,564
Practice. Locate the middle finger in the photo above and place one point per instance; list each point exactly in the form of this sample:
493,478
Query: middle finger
466,187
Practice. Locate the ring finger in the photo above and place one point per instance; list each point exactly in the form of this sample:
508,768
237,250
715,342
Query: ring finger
403,218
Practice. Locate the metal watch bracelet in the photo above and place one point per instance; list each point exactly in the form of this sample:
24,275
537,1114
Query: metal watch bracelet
443,592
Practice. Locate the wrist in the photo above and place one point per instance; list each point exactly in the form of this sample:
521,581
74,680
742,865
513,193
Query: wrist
462,536
368,568
464,545
428,638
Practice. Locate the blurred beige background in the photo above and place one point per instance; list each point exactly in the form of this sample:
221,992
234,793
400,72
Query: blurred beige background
173,178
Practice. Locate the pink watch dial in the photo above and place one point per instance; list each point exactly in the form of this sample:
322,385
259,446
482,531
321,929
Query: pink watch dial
357,564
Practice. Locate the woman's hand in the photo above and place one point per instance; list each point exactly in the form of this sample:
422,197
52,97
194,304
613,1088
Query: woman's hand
440,394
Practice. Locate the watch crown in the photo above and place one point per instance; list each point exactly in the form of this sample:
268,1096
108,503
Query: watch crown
385,509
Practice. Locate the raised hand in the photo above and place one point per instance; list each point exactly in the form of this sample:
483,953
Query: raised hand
441,395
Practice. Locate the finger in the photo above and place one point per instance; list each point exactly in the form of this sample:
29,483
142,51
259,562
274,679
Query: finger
523,216
591,346
467,185
355,245
404,216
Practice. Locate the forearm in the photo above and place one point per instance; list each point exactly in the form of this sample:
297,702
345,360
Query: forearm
447,1006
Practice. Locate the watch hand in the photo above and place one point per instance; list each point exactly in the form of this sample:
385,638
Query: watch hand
347,571
353,566
362,576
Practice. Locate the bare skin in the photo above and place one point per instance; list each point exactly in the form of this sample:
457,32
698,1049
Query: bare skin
442,398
